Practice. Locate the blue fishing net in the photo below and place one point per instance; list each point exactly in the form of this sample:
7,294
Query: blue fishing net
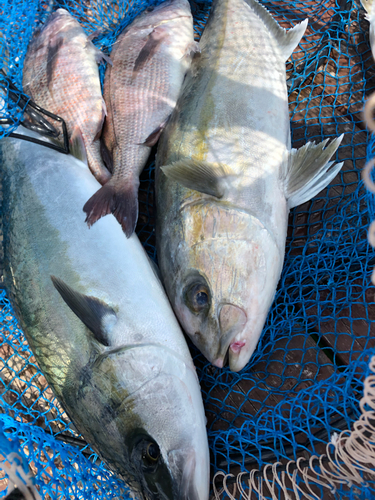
305,379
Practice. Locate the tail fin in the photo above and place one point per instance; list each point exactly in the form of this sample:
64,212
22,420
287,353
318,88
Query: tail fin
119,199
287,40
310,170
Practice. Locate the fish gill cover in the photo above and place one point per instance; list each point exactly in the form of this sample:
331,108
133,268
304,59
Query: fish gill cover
304,382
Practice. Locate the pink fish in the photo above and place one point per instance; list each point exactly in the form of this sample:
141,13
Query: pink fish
150,60
61,75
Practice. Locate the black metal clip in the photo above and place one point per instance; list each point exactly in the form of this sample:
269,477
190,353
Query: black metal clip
35,121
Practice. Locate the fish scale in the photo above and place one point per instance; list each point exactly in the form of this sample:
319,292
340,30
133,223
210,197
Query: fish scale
61,75
226,177
150,59
100,326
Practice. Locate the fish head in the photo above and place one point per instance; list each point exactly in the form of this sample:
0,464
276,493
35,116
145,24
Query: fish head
224,280
162,13
152,427
60,22
170,22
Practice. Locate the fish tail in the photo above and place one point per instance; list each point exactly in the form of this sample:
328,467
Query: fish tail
119,199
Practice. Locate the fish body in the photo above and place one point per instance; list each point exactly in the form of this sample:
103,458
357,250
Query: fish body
226,177
369,7
17,473
150,59
101,327
61,75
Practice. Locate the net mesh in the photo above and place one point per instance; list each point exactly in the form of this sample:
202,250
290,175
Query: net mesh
305,379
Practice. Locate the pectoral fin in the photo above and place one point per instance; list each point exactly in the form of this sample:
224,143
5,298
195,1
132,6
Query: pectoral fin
154,39
207,178
94,313
53,49
310,170
77,146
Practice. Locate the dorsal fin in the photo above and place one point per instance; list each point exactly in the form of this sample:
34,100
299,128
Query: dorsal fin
94,313
287,40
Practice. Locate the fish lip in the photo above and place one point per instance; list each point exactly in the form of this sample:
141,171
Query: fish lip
237,346
185,487
220,359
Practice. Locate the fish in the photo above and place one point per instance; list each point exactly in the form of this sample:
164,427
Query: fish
150,59
21,483
100,326
226,178
369,7
61,75
368,112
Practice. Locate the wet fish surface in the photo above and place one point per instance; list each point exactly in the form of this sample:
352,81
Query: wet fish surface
100,325
150,59
369,7
226,177
61,75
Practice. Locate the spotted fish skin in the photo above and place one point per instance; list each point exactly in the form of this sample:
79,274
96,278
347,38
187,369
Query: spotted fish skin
61,75
150,59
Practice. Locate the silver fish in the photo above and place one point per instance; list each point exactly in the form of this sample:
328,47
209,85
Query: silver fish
150,60
61,75
101,327
230,178
369,7
20,479
368,114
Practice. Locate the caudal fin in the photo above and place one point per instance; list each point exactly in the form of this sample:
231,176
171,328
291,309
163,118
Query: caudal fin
310,170
120,200
287,40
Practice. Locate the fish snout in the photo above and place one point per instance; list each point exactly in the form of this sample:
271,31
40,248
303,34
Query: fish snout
232,320
193,483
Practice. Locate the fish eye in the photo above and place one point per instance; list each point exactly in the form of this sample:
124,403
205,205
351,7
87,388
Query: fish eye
197,297
151,454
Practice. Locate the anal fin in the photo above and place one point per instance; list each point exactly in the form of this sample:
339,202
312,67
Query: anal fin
106,156
310,170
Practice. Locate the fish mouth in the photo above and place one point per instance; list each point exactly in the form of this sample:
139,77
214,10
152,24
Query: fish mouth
232,321
188,486
232,347
221,361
